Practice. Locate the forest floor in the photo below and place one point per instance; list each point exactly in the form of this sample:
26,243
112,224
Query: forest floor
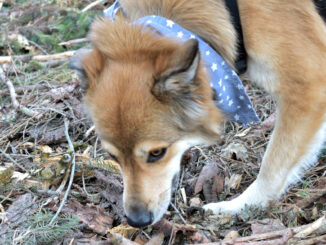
41,111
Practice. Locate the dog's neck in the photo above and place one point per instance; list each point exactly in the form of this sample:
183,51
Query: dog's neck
211,20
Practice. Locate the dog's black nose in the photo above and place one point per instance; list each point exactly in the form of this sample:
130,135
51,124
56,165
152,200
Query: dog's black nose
139,217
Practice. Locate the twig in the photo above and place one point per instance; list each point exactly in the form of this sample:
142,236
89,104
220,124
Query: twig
5,198
310,228
27,58
38,46
13,160
24,89
13,96
89,131
49,192
311,241
91,5
277,237
178,212
73,160
74,41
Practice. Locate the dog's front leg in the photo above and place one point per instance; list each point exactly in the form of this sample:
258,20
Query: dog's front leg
298,136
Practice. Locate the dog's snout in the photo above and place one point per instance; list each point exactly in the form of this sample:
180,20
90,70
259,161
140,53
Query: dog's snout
139,216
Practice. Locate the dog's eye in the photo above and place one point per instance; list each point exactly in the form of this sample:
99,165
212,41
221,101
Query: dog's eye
156,155
113,157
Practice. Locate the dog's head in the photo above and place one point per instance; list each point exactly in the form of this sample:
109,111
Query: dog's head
150,100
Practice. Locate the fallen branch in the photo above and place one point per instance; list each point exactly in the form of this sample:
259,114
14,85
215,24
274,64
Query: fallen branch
74,41
13,96
288,235
27,58
91,5
73,160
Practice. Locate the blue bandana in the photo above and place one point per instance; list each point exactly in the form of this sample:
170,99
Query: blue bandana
231,97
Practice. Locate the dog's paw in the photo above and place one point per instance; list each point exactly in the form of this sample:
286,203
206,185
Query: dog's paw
251,196
226,207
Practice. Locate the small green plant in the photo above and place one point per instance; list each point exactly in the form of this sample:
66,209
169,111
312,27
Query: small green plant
37,231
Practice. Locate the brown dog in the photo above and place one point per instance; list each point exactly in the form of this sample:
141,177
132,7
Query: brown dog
150,101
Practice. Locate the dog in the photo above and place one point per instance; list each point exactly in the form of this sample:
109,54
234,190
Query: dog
150,100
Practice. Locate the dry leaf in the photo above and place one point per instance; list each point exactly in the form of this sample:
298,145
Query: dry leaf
140,239
62,92
231,235
195,202
235,150
18,176
45,149
207,173
266,225
218,185
46,161
199,237
265,126
93,216
117,239
18,212
124,230
234,181
157,239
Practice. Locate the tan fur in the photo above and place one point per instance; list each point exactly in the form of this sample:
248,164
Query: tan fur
292,37
286,45
223,39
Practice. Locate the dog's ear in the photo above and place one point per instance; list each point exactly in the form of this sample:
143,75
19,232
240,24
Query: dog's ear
88,64
176,83
176,71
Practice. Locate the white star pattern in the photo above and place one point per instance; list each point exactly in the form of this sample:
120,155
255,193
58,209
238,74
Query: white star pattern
241,97
236,117
212,84
207,53
169,23
226,77
220,82
233,73
238,107
230,102
214,67
192,37
221,101
149,22
239,86
220,94
227,97
249,106
223,63
224,88
180,34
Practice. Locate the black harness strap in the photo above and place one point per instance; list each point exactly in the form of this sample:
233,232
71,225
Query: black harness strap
241,62
321,7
